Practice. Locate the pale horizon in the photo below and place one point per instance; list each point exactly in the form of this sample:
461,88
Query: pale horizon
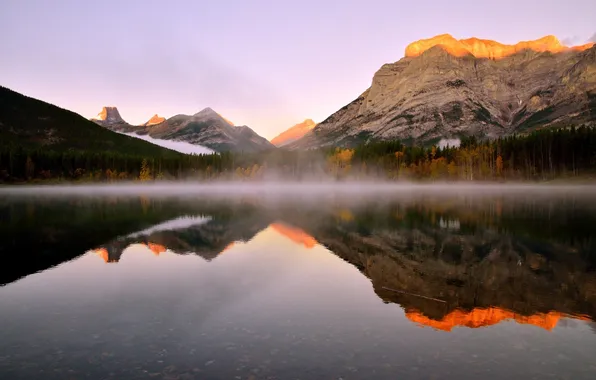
265,65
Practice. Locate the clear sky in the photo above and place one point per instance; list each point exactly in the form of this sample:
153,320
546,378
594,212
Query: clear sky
265,64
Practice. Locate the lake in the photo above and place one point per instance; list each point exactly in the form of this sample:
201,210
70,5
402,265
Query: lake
298,282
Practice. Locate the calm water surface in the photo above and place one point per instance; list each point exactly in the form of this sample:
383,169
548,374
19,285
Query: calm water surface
413,285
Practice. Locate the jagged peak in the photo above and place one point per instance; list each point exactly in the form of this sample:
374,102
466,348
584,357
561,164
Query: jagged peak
481,48
210,112
206,111
109,113
155,119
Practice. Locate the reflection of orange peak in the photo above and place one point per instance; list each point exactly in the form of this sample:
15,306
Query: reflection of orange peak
487,317
488,48
227,247
103,253
294,234
156,248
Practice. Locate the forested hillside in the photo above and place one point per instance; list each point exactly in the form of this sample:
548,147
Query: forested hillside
36,125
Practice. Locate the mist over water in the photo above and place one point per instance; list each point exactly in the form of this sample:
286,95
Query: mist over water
304,189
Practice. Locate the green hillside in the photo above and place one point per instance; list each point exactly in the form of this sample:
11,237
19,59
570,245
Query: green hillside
32,124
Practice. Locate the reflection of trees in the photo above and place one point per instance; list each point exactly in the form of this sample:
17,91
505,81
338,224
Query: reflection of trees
488,259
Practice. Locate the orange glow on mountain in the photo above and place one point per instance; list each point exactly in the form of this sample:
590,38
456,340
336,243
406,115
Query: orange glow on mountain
295,234
480,48
293,133
488,317
103,253
582,47
155,119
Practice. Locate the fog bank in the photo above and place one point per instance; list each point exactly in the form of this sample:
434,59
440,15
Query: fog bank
178,146
297,189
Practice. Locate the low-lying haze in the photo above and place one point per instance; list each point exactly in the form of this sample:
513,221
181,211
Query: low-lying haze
178,146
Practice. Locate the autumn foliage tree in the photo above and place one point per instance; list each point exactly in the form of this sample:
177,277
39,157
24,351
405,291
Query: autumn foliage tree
145,173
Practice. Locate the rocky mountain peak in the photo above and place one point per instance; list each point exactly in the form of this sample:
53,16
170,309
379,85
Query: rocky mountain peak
208,111
206,128
110,115
294,133
155,119
481,48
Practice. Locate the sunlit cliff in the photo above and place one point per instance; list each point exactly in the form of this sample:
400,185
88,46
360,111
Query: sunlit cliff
480,48
155,119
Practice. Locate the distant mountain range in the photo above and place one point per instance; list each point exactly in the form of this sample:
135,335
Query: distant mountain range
206,128
30,123
446,88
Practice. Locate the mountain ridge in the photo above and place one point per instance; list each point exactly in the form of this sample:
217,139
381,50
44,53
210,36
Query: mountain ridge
439,95
205,128
293,133
155,119
483,48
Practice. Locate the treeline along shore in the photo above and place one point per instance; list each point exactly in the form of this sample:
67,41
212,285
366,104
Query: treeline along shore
537,156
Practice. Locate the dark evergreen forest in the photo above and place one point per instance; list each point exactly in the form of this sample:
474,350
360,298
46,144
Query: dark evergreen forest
541,155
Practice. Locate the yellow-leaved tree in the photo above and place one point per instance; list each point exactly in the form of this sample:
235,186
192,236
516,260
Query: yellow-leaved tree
145,174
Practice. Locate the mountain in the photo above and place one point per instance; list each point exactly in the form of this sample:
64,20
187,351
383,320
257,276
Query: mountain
294,133
155,119
109,116
206,128
34,124
448,88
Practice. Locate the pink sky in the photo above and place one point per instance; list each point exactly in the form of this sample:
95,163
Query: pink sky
265,64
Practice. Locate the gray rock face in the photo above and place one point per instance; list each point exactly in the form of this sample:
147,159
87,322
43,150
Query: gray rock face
438,95
108,116
206,128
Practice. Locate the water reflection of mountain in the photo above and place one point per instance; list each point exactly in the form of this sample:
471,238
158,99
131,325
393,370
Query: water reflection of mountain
487,317
40,233
206,237
483,276
202,236
478,259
